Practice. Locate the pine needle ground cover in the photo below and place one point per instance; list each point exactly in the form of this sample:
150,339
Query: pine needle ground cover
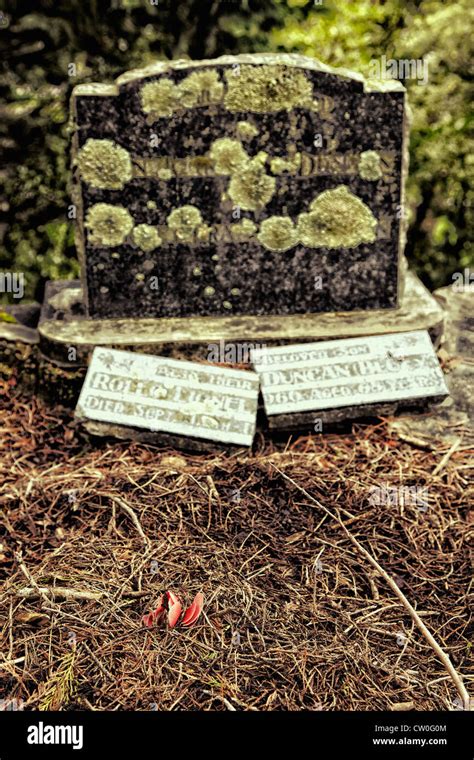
295,615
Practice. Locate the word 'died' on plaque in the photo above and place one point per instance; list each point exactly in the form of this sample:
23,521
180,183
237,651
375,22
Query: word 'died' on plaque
249,185
169,396
354,372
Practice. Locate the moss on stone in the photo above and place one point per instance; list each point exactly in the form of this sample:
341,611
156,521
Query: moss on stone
104,164
228,155
251,188
291,164
246,130
369,165
278,233
261,157
198,85
108,225
337,219
203,233
243,230
184,222
146,237
165,174
160,98
267,89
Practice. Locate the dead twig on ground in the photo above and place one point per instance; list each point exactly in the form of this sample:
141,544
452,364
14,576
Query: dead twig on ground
443,656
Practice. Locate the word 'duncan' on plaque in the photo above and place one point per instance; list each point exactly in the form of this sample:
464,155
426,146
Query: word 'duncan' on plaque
249,185
343,379
166,396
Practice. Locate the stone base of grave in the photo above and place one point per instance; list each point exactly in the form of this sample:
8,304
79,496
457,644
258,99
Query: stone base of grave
67,336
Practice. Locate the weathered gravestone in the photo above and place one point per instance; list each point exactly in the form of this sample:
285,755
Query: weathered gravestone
344,379
125,391
249,185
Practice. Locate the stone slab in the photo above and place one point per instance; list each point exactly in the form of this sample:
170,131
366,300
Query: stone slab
18,333
59,330
458,332
266,184
450,423
343,379
182,399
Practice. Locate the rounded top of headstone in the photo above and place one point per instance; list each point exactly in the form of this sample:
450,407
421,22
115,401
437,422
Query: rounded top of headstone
281,59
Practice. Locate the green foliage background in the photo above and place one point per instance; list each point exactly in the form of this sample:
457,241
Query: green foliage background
39,41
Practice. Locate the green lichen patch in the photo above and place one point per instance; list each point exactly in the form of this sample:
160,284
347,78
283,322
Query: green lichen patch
165,174
267,89
200,86
160,98
246,130
290,164
203,233
251,188
337,219
243,231
278,233
104,164
184,222
146,237
108,225
228,155
369,165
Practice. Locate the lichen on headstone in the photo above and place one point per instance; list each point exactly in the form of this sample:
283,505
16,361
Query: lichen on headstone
108,225
278,233
266,89
228,155
251,188
184,221
369,165
337,219
160,98
146,237
104,164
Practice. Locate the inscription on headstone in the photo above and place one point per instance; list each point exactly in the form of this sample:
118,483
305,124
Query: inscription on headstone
169,396
348,373
248,185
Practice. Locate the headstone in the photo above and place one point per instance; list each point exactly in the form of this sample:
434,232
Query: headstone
343,379
249,185
178,398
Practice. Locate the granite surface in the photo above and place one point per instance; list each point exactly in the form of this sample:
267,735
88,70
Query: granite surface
62,329
255,185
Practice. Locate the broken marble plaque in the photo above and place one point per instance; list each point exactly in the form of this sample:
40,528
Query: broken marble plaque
251,185
343,379
179,398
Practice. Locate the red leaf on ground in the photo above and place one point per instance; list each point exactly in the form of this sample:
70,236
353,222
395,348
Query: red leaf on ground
194,610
